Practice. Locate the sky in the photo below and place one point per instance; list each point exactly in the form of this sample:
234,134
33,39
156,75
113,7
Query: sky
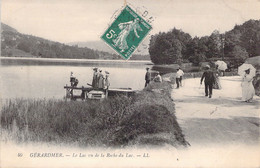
85,20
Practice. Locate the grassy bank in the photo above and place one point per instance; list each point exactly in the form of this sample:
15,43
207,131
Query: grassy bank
146,118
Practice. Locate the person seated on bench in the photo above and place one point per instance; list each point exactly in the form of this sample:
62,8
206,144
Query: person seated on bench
73,80
157,78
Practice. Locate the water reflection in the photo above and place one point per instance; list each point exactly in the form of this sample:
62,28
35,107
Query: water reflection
45,79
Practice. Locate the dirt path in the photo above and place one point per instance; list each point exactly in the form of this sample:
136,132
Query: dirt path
223,119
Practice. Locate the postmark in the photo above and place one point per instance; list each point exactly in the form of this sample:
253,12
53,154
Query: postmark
126,32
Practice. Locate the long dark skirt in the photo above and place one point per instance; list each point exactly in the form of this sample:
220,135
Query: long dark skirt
217,84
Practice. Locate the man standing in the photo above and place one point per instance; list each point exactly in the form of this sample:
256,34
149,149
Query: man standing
179,75
147,77
209,81
95,78
107,83
107,80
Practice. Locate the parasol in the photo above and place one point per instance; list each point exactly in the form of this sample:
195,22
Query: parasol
221,65
244,67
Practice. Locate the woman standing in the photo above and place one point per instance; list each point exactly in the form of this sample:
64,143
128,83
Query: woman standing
217,84
248,90
107,81
101,80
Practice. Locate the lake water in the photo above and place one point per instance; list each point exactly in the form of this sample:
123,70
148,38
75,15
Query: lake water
45,78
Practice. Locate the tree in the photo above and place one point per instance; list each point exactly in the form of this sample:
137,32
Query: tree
168,48
24,45
158,49
239,52
197,50
250,38
214,45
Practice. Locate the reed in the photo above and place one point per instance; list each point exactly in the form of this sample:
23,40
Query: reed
116,121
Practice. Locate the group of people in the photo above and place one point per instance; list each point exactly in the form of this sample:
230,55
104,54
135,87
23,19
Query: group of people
148,77
100,81
211,81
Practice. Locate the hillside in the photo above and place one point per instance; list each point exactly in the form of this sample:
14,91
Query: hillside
95,45
15,44
5,27
101,46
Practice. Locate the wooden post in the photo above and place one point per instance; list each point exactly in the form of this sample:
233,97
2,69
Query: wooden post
106,93
71,93
82,93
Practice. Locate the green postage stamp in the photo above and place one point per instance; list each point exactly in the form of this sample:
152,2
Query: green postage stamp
126,32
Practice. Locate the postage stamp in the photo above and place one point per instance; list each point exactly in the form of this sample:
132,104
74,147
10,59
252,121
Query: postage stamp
126,32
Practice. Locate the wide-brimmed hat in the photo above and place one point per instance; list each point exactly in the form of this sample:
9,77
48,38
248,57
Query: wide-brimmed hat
207,66
106,72
95,68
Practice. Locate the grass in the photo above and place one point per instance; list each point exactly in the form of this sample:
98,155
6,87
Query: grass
146,118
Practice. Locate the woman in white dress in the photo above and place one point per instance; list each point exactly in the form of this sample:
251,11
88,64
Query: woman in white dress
248,90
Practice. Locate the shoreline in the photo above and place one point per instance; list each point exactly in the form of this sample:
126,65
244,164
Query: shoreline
66,60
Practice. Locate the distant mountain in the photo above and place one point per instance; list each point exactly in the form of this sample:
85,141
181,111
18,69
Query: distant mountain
95,45
102,46
15,44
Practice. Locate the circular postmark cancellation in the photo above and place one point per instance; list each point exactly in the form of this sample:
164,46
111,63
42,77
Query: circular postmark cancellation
126,32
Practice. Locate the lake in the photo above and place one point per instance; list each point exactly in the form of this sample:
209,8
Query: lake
45,78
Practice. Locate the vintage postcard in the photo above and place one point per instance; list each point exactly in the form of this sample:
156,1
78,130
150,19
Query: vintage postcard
130,83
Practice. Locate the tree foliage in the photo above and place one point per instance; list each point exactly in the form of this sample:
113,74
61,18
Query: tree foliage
175,46
169,47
